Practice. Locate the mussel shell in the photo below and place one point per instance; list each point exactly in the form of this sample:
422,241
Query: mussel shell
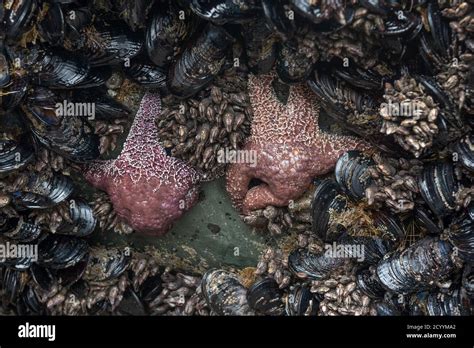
130,304
106,107
300,301
166,33
461,235
369,284
277,18
15,155
417,267
260,47
226,11
265,297
387,309
83,220
147,75
450,303
151,288
224,293
352,175
60,251
437,187
465,151
5,77
13,94
106,264
52,26
29,303
304,264
12,283
468,280
134,13
19,229
326,201
361,78
292,65
112,45
18,18
200,63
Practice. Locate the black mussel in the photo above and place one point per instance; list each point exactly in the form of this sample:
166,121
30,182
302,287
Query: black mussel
464,150
29,303
461,235
62,127
329,17
361,78
5,77
387,309
105,106
106,264
130,304
147,75
313,266
226,11
110,45
134,13
265,297
60,251
438,185
19,228
12,284
95,78
60,69
326,201
224,293
434,89
76,19
260,47
426,220
18,17
468,279
15,153
17,255
292,64
151,288
42,277
52,26
279,17
450,303
352,175
369,284
416,268
300,301
13,94
82,221
166,33
200,63
438,28
403,24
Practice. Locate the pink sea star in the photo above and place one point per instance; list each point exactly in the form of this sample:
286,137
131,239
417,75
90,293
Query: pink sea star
148,189
290,148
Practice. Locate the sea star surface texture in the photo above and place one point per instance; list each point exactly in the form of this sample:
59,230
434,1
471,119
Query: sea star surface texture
148,189
290,148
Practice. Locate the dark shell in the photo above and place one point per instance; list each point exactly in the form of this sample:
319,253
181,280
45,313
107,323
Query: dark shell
437,187
300,301
224,294
293,65
59,251
226,11
461,235
275,12
82,222
403,24
52,26
131,304
465,151
352,175
151,288
29,303
12,283
13,94
327,200
387,309
106,107
361,78
312,266
417,267
166,34
468,280
147,75
134,13
200,63
106,264
260,47
5,77
265,297
111,45
451,303
15,154
369,284
18,18
19,229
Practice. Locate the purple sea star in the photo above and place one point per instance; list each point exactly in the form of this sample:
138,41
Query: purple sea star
290,148
148,188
